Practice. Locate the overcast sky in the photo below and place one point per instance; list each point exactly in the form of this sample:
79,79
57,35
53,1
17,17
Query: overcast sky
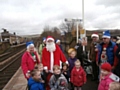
30,16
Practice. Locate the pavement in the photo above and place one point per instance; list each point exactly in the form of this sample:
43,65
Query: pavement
17,82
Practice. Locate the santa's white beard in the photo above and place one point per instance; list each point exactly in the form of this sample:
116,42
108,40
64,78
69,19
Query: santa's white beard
50,46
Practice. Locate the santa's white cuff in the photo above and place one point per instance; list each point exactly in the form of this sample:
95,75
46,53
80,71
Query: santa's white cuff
45,68
66,62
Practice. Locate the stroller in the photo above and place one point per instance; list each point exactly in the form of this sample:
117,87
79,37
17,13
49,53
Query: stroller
87,65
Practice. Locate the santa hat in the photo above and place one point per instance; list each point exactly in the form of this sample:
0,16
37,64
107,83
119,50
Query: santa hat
57,41
28,44
106,66
106,34
50,38
44,39
95,35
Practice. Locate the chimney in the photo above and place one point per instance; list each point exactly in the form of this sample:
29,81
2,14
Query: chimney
14,33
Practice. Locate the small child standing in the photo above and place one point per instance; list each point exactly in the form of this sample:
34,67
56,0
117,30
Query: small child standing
58,80
71,59
114,86
34,82
78,76
64,71
106,77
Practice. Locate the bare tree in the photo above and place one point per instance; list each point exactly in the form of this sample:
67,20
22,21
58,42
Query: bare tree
46,28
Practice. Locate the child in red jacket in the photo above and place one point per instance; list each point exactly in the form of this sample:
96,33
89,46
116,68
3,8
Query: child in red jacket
78,76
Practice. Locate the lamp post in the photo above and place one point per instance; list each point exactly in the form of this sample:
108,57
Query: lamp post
84,35
76,21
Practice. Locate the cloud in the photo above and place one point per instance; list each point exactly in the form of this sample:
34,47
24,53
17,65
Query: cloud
108,3
30,16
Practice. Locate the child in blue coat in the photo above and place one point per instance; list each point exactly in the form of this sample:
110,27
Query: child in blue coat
34,81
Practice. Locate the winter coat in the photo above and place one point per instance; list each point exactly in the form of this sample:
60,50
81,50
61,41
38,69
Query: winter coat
42,45
78,78
66,74
104,83
61,47
28,62
79,50
109,52
58,84
92,54
33,85
57,54
71,62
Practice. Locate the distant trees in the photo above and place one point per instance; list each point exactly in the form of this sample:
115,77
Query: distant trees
69,29
54,32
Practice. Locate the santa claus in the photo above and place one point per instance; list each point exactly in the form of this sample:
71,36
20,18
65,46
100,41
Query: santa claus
52,54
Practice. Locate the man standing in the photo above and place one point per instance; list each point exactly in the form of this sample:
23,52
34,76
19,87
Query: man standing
58,42
52,54
79,49
107,50
92,55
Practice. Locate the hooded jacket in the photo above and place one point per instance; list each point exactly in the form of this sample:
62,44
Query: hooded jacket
104,83
33,85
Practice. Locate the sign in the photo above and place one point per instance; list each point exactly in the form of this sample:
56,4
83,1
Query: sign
82,31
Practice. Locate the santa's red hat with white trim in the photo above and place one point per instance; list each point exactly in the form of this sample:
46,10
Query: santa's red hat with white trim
95,35
50,38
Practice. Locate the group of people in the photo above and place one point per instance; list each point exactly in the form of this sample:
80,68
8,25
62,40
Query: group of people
48,73
105,58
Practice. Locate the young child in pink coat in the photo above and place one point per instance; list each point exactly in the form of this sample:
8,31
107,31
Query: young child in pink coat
106,77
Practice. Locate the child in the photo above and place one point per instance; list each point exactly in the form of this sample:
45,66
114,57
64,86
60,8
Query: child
57,80
64,71
78,76
43,71
114,86
72,58
106,77
34,81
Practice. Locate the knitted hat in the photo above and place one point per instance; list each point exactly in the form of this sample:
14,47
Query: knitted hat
44,39
80,39
106,66
95,35
106,34
50,38
57,41
28,44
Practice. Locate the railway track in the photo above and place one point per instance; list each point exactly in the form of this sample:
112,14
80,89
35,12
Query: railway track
14,50
8,69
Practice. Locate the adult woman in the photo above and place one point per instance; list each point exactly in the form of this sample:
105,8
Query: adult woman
29,59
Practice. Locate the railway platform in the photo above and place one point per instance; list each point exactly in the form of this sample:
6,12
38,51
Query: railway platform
17,82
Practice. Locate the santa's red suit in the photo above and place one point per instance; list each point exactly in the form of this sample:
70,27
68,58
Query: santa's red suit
49,60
